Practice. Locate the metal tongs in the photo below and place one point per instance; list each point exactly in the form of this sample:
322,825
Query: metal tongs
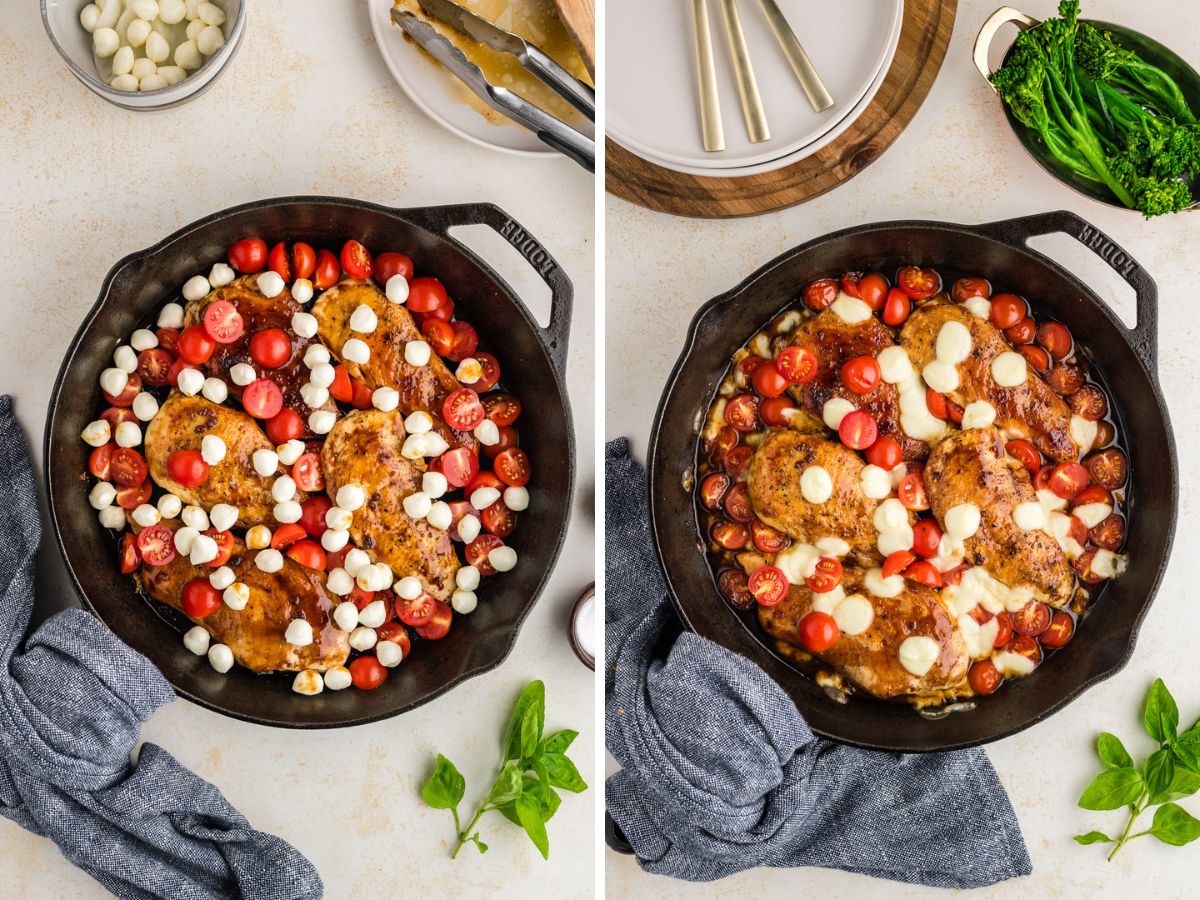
551,131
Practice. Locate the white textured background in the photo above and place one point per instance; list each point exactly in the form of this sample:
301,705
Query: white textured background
956,162
306,106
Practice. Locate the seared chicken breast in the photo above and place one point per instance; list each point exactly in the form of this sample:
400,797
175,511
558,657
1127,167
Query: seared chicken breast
1030,410
364,449
971,467
421,387
871,659
180,424
834,342
775,491
256,634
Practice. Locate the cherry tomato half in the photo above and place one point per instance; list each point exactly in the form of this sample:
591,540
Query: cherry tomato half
279,263
328,271
128,556
157,545
966,288
128,467
1068,479
415,612
1060,631
460,465
984,677
439,626
502,408
1033,618
304,260
462,410
769,585
262,398
1025,452
825,577
153,366
897,562
312,514
356,261
767,539
308,554
512,467
1054,338
737,503
861,374
912,492
742,412
426,294
858,430
307,473
924,572
798,365
820,294
927,537
100,461
768,381
775,410
1107,468
920,284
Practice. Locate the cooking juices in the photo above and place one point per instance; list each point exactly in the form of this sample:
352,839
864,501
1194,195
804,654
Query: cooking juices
891,409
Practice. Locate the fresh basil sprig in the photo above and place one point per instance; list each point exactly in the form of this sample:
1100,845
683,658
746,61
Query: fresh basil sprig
531,769
1170,773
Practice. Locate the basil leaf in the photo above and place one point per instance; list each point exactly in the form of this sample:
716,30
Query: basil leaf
1162,715
563,773
1093,837
445,786
1175,825
1112,752
1187,749
530,816
525,724
1184,784
558,742
548,800
483,848
508,785
1159,772
1112,789
509,811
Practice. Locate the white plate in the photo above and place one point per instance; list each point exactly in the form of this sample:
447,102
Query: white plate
808,150
658,116
440,95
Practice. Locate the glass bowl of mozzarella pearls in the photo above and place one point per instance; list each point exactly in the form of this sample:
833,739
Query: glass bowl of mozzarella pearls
145,54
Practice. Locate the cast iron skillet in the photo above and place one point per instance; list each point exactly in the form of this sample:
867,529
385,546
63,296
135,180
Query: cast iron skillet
1125,362
532,359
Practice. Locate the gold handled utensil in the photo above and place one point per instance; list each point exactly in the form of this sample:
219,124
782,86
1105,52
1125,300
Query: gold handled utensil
806,72
711,129
752,108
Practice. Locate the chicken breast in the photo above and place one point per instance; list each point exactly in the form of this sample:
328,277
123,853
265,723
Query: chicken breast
834,342
256,634
180,424
364,449
421,387
871,660
774,478
1030,410
259,313
971,467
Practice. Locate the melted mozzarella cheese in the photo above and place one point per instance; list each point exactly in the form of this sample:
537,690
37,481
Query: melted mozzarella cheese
953,343
875,482
1107,564
894,364
978,414
979,639
854,615
980,307
1092,514
1083,432
962,522
834,410
833,546
878,586
1009,369
1031,516
1011,664
850,310
816,485
941,375
918,654
828,601
798,562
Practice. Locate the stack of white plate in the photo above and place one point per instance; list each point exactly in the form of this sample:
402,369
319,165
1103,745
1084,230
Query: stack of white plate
652,105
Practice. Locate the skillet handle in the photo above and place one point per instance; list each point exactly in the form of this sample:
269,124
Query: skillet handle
1144,335
440,219
615,839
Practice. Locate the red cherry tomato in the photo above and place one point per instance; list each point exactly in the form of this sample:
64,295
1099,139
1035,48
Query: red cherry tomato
342,389
462,410
896,308
157,545
309,554
769,585
225,544
818,632
502,408
1022,332
498,519
730,535
286,425
1093,494
927,536
885,453
417,611
128,555
491,372
749,365
100,462
397,634
307,473
168,339
1007,310
131,498
304,260
460,465
388,265
920,284
187,467
849,283
287,534
984,677
173,373
477,552
775,410
826,576
196,345
767,380
483,480
262,398
1026,646
712,489
279,263
912,492
798,365
1108,534
767,539
249,255
897,562
465,342
153,366
1062,628
936,404
360,395
1108,468
362,599
367,673
426,294
128,467
440,336
1068,479
439,626
1033,618
861,374
858,430
966,288
512,466
328,271
820,294
200,598
1054,338
1004,631
312,514
742,412
924,572
270,348
872,290
1038,359
737,503
133,384
735,588
356,261
1089,402
1041,478
116,415
1025,452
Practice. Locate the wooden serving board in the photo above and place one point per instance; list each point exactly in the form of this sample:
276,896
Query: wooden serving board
579,17
924,36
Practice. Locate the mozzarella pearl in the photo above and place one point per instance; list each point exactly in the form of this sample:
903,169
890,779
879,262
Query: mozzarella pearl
169,506
290,452
196,288
145,407
146,515
816,484
363,319
516,498
223,516
222,578
385,399
464,602
396,289
89,17
215,389
322,421
170,316
258,537
356,560
197,640
220,658
184,538
503,559
978,414
242,374
351,497
468,528
157,50
287,512
105,42
221,275
102,495
316,355
210,40
434,484
1009,369
122,63
204,549
356,351
143,68
338,519
284,488
417,505
143,339
125,359
389,654
187,55
112,517
129,434
171,11
363,638
212,449
374,614
419,422
236,596
339,582
484,497
308,682
266,462
196,517
268,560
488,433
124,82
313,395
271,284
417,353
345,616
210,14
113,381
467,578
322,374
440,515
408,588
97,433
190,382
299,633
302,290
304,324
338,678
334,539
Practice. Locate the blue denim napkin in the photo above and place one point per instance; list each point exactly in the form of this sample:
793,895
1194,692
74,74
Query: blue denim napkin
71,705
721,773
